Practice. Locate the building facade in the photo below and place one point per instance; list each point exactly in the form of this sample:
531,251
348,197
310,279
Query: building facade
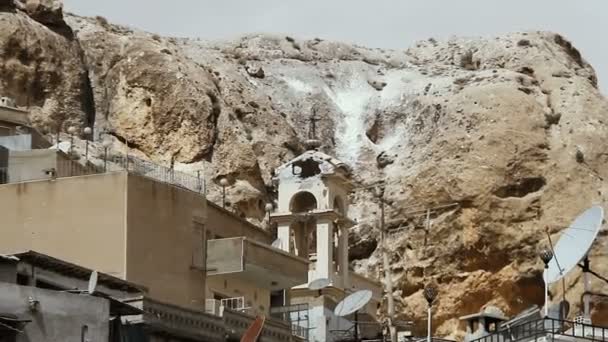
195,258
312,222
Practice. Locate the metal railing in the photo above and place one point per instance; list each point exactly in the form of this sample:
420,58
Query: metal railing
433,339
547,327
141,167
194,324
274,331
71,168
296,315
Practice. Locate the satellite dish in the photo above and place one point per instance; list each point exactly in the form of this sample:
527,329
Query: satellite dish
276,243
318,284
574,243
353,303
92,282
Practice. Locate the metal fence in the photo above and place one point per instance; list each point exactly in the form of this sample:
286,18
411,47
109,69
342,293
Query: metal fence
547,327
141,167
296,315
60,168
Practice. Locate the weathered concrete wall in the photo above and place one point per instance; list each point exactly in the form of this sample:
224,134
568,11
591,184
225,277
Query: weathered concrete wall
224,224
30,165
21,142
60,317
162,241
275,265
77,219
225,255
24,142
13,117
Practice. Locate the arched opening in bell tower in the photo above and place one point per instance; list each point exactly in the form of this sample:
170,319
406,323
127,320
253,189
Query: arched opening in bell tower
304,231
303,202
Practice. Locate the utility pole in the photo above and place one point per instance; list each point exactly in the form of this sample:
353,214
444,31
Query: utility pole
388,279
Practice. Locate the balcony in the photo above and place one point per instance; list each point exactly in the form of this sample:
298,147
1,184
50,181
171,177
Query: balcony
164,319
260,264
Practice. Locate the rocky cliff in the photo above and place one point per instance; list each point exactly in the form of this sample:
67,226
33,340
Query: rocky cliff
511,130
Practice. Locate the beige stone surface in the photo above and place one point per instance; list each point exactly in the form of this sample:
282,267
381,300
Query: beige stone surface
511,128
42,66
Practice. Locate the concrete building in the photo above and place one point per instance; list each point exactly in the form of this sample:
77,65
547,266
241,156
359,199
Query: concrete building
150,233
483,323
193,256
16,132
312,222
11,118
39,164
153,233
45,299
24,153
124,225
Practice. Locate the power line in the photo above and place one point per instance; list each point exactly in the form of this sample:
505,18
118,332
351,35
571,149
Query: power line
415,213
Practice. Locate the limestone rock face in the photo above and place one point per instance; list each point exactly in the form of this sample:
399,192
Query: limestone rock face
47,12
504,138
41,66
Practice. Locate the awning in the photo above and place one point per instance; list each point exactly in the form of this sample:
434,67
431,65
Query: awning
118,308
12,322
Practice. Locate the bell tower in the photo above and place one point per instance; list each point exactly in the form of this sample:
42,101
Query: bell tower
311,215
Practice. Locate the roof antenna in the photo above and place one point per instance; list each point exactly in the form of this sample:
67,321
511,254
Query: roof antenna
312,143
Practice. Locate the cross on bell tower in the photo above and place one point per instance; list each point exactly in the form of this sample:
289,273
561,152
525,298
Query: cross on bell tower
313,142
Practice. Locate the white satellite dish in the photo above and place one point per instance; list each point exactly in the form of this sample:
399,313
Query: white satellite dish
574,243
353,303
318,284
92,282
276,243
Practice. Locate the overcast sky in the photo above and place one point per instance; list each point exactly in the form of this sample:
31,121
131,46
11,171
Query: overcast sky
374,23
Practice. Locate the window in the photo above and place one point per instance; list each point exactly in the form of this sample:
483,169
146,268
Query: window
84,333
22,279
277,298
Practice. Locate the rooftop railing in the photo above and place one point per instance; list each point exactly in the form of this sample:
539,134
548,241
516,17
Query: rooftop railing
61,168
547,327
192,182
